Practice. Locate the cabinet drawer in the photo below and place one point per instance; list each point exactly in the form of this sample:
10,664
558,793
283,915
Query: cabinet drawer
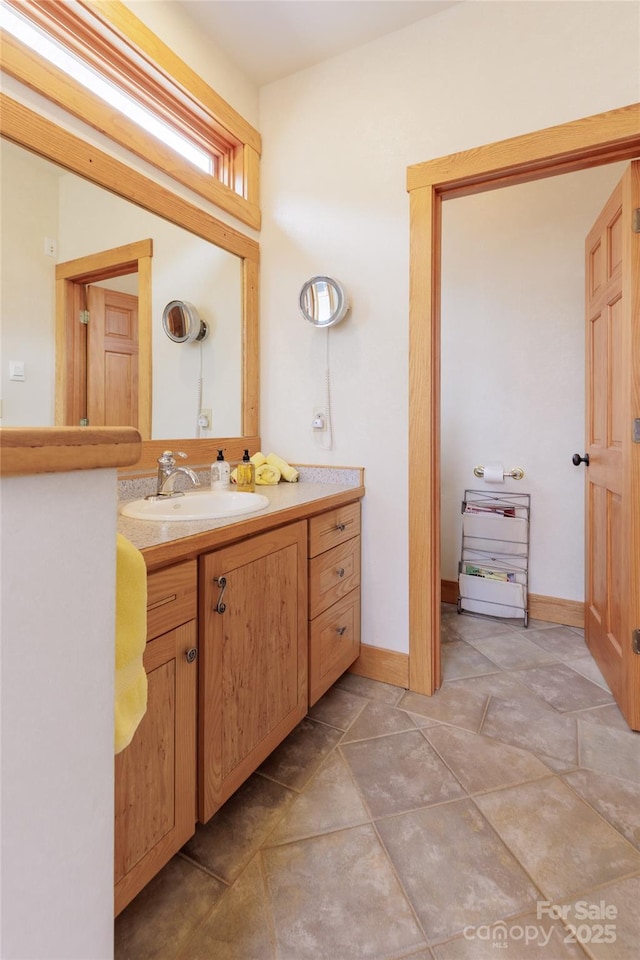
332,575
333,527
172,597
334,643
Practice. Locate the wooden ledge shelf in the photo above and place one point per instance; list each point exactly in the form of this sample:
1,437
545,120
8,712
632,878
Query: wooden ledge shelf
29,450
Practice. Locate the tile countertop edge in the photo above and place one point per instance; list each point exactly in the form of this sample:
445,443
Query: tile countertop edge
165,543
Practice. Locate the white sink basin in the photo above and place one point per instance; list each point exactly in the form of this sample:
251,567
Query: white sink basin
196,505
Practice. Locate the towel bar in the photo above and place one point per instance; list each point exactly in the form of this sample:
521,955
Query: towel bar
516,473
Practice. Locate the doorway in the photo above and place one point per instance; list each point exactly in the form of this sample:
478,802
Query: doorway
76,282
584,143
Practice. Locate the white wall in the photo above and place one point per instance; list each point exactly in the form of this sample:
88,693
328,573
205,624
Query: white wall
513,360
57,623
338,138
27,287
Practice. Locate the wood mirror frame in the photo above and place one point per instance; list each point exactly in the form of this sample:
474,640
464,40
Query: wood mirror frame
29,129
592,141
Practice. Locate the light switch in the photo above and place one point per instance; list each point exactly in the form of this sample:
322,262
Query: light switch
16,369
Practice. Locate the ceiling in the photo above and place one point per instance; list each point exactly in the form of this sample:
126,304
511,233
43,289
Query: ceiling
270,39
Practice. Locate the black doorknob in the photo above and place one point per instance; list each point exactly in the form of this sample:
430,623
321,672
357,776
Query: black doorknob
577,459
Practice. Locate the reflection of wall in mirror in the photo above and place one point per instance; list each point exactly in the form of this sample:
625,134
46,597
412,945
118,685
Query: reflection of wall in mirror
183,267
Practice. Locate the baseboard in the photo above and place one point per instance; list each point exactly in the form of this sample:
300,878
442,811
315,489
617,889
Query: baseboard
550,609
388,666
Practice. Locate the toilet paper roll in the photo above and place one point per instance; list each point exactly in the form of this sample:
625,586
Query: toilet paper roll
493,473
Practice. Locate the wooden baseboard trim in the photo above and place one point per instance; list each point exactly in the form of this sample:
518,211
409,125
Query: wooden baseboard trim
377,663
570,613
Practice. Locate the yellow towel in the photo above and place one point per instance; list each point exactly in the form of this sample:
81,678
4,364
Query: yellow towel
266,474
288,473
258,460
131,638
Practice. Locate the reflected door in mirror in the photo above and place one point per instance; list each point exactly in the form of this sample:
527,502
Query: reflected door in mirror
112,358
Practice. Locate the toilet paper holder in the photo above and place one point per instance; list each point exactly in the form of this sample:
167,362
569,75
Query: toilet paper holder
516,473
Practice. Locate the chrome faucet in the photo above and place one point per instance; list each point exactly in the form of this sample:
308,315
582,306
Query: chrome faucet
167,472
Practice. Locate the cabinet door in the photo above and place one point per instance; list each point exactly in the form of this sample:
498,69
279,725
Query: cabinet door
253,646
155,795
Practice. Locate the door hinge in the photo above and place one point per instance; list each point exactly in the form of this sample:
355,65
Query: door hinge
636,430
635,220
84,316
84,421
635,641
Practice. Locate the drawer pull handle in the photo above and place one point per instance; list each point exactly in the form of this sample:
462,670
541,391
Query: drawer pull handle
340,572
220,607
341,631
341,527
191,655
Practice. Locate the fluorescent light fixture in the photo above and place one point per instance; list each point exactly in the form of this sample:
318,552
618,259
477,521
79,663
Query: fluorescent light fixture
43,45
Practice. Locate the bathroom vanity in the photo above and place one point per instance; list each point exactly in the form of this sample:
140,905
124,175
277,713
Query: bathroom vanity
249,623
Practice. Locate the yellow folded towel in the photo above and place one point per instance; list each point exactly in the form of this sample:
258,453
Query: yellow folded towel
288,473
131,637
266,474
258,460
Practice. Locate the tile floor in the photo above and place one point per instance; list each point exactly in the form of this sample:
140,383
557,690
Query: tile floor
391,825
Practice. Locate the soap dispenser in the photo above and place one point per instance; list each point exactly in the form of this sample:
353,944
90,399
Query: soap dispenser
220,473
246,474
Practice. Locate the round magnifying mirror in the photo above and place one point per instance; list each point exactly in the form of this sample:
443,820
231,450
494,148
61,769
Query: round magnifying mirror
323,301
181,322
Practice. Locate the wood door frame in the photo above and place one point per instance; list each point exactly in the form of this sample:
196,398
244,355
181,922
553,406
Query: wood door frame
589,142
116,262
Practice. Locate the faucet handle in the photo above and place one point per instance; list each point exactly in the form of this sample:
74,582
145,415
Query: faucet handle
168,457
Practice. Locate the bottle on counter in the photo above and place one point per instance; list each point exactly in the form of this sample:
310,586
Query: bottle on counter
220,473
246,474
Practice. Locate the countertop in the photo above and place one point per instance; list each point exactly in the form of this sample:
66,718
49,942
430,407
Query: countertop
169,542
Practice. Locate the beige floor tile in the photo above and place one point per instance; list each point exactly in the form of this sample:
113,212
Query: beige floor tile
455,869
330,801
609,716
622,938
399,772
471,628
563,642
533,725
501,684
338,708
337,897
460,659
512,651
239,927
164,915
371,689
588,668
563,688
298,757
450,704
376,720
616,800
563,844
480,763
609,750
231,837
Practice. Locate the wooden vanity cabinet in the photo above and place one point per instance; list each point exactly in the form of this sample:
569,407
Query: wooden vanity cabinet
253,656
334,596
155,776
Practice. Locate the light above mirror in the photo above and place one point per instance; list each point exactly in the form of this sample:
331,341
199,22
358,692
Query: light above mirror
323,301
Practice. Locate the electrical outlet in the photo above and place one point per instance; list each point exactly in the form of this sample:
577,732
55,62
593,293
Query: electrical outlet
50,247
205,419
319,419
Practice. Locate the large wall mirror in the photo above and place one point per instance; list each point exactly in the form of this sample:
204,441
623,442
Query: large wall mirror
54,212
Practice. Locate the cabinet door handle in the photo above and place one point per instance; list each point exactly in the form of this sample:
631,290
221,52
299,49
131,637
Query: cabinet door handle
340,572
191,655
220,607
341,527
341,631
